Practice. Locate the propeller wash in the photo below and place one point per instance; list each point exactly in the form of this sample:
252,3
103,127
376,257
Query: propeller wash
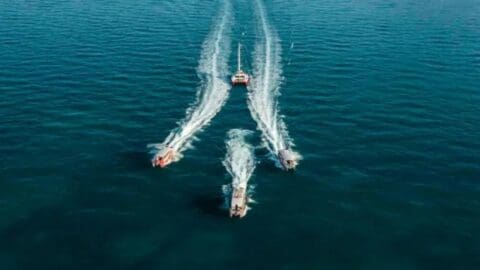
211,94
240,164
264,91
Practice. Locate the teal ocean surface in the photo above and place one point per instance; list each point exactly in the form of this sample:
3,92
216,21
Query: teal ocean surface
381,98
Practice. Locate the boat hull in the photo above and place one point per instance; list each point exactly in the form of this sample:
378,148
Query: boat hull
240,79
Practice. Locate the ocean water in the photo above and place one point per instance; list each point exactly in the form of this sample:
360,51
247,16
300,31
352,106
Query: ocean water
379,97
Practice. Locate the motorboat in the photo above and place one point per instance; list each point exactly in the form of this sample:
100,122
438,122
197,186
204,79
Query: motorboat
287,159
163,157
238,204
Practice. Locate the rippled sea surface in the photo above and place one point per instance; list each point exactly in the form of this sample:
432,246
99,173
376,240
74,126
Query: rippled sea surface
381,97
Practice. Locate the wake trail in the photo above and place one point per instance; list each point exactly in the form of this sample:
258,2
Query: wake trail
213,90
240,164
264,89
239,160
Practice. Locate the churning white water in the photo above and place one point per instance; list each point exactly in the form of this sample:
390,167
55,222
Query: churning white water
264,89
213,91
239,162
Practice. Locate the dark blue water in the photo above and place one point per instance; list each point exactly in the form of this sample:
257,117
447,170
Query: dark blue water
381,99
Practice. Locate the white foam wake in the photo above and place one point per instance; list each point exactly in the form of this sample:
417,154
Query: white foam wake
213,91
264,89
239,161
240,164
